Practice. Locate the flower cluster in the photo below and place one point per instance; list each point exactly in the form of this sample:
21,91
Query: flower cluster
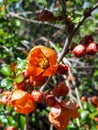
41,63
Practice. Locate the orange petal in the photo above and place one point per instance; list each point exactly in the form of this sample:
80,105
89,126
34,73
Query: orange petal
70,108
39,71
48,52
32,55
55,110
52,120
19,97
31,70
29,106
68,104
50,71
60,123
37,81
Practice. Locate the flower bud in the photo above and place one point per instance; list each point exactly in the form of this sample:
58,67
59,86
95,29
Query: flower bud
37,96
62,69
92,48
50,100
79,50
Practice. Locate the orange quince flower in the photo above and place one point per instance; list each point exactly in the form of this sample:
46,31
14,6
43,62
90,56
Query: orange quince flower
61,113
22,102
42,60
37,81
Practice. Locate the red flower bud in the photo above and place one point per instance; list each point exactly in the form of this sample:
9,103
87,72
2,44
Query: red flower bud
79,50
88,39
46,15
83,99
92,48
50,100
10,128
61,89
37,96
94,100
62,69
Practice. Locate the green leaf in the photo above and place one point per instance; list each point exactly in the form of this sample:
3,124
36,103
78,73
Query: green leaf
3,119
72,127
91,108
12,121
34,120
6,83
22,121
76,20
84,115
21,64
85,105
6,70
19,78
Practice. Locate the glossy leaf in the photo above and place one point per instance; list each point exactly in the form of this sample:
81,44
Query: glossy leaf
19,78
6,70
6,83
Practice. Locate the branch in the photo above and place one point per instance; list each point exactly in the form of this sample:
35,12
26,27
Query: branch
63,4
86,14
44,86
74,30
68,41
35,21
68,23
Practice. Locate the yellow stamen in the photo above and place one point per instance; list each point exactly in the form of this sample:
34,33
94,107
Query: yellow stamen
42,61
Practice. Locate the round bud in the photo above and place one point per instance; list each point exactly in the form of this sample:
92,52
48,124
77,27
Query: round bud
10,128
50,100
83,98
79,50
37,96
94,100
62,69
61,89
92,48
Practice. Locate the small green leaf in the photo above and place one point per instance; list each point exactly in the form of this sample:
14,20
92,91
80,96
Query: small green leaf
3,119
12,121
6,83
34,120
6,70
19,78
84,115
85,105
91,108
76,20
22,121
21,64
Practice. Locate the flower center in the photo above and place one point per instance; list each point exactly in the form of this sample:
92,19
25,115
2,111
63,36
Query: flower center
42,61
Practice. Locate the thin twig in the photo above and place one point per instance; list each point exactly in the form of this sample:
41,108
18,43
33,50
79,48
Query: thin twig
76,89
68,41
86,14
63,4
44,86
51,127
16,15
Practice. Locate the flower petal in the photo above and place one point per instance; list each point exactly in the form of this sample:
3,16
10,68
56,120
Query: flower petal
50,71
28,107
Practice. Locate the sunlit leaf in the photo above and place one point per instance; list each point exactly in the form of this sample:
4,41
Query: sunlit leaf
84,115
6,83
6,70
22,121
19,78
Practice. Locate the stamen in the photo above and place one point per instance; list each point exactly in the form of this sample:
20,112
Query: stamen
42,61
